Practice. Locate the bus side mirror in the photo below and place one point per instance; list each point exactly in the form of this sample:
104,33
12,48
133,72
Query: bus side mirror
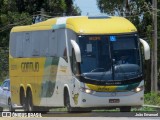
146,49
77,50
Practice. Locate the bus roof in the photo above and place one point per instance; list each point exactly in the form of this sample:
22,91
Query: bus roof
83,25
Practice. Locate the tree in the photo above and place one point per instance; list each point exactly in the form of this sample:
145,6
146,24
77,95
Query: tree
20,12
71,9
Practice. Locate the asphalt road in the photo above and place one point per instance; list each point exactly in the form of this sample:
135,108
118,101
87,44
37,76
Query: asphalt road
103,114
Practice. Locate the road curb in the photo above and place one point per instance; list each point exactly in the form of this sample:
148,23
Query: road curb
153,106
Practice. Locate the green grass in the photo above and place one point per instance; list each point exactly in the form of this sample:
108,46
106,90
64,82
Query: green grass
152,99
142,109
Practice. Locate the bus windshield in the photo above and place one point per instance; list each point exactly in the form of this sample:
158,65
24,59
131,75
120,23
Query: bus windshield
108,58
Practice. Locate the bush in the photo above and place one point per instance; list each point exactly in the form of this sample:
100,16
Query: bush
152,98
4,69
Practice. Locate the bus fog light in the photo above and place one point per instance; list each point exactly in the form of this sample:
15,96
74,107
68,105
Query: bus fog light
141,98
84,100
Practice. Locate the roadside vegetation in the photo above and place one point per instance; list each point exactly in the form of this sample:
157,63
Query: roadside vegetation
152,98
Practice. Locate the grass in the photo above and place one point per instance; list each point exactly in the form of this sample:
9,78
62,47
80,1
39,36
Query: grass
152,99
142,109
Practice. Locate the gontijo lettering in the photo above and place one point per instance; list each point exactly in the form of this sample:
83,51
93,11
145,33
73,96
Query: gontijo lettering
30,66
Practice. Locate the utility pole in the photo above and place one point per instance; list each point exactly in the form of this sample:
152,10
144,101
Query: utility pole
154,77
127,7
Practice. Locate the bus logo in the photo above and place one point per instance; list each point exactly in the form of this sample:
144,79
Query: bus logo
30,66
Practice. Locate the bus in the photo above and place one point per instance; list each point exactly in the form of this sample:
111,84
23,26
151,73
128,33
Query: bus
78,62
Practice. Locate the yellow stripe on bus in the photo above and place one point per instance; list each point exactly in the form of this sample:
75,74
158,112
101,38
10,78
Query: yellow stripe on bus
102,88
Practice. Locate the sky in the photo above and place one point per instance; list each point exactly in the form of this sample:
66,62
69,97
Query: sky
88,7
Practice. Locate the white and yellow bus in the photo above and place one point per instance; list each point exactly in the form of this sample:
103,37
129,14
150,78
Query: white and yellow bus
82,63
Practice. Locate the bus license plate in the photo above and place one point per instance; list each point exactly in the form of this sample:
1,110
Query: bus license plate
114,100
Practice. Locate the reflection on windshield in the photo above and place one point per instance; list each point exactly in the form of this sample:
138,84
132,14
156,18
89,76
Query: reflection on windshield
106,59
125,51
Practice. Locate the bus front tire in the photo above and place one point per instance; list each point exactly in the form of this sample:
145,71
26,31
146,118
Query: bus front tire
74,109
68,105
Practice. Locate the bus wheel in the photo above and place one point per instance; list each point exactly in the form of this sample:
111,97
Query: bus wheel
125,109
68,105
10,106
22,98
29,104
74,109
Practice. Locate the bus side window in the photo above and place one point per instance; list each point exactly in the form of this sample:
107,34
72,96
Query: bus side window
35,43
52,43
44,43
61,44
19,45
13,44
27,45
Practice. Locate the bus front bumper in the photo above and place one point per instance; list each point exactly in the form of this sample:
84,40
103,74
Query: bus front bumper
115,99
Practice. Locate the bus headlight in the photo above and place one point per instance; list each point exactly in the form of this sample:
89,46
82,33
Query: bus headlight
86,90
138,89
